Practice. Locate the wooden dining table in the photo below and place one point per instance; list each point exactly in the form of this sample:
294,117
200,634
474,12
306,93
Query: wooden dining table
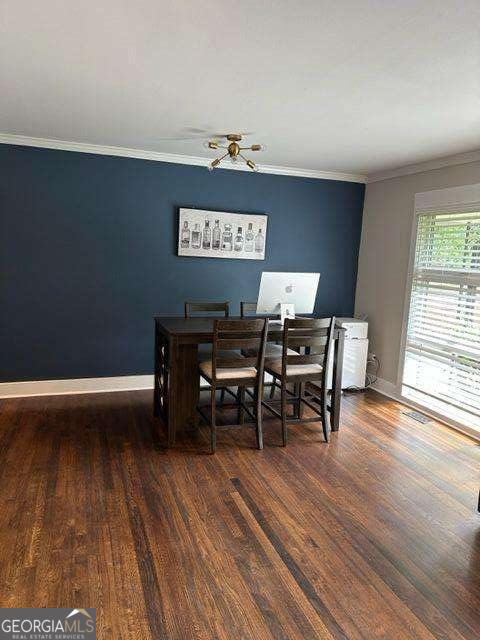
177,379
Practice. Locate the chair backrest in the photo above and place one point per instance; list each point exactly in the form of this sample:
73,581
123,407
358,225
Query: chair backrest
315,335
207,307
239,335
248,309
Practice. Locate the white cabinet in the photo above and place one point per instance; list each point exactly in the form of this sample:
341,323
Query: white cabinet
355,353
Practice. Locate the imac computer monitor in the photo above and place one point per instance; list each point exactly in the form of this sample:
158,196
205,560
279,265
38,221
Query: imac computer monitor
298,289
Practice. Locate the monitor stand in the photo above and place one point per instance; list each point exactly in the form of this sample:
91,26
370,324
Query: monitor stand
287,310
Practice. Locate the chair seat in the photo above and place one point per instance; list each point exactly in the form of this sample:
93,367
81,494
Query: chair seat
275,368
206,369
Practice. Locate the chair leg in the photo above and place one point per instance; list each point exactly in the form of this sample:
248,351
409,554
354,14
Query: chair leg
301,388
325,416
241,400
259,415
213,423
272,389
284,412
296,406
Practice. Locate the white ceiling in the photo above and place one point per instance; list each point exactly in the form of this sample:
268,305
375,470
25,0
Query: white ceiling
339,86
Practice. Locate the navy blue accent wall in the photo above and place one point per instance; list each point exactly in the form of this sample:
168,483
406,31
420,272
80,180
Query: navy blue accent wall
88,253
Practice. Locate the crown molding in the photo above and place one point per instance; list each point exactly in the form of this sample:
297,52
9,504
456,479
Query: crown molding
429,165
201,161
157,156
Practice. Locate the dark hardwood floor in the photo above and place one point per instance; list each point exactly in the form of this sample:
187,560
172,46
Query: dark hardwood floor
374,535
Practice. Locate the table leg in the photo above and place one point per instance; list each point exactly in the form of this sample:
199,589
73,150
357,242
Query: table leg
161,378
156,377
337,381
183,390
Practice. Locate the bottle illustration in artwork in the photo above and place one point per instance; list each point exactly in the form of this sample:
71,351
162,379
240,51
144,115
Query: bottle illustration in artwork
196,237
185,237
249,238
239,240
259,241
207,235
217,234
227,238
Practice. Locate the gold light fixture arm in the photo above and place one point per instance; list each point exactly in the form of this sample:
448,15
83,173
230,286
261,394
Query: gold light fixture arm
214,145
249,163
253,147
217,161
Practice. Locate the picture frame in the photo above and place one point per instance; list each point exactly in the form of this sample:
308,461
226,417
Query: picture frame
221,234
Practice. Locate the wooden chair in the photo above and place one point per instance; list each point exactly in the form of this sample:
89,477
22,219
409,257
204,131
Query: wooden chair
222,373
316,337
249,309
223,308
273,350
192,308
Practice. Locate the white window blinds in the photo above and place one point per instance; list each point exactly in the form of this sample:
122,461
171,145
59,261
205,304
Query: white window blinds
442,352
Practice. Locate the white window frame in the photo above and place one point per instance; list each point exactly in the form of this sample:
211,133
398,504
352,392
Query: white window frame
462,199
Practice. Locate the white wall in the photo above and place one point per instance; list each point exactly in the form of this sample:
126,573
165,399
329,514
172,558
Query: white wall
384,253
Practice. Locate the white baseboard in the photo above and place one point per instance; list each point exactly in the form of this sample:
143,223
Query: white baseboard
386,388
81,385
78,385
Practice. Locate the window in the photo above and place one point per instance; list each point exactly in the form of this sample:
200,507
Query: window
442,345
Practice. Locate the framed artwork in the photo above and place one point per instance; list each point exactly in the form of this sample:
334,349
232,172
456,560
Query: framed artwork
218,234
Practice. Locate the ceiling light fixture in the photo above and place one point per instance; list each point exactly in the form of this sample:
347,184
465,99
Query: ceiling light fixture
234,150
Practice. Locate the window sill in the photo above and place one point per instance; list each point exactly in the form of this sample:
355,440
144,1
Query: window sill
464,421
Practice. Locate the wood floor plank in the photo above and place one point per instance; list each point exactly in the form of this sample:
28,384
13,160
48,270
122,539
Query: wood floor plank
374,535
336,528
